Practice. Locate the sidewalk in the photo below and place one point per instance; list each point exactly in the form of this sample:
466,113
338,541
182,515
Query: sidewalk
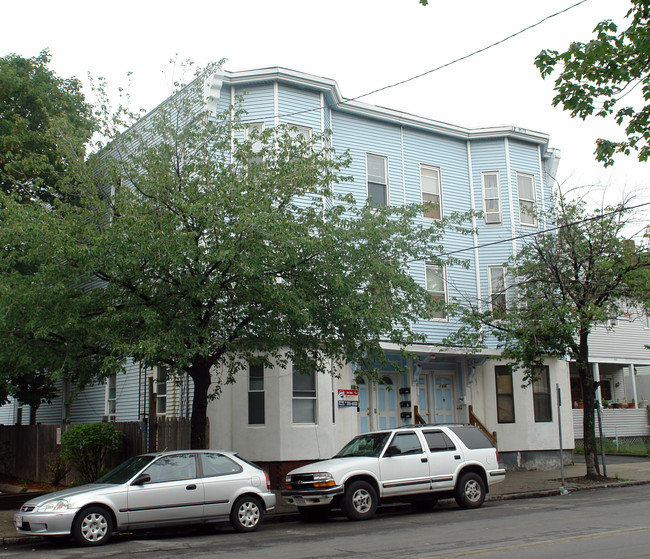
517,485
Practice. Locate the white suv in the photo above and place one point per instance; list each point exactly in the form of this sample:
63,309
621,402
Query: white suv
417,464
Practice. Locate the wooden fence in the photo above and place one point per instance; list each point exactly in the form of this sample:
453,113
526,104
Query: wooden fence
27,450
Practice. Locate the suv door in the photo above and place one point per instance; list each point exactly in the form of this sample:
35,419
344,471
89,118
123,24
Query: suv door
404,466
445,457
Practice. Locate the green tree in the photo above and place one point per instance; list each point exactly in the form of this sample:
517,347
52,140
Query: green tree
563,284
211,249
42,119
597,77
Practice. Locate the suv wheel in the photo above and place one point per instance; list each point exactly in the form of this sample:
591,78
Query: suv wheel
470,491
360,501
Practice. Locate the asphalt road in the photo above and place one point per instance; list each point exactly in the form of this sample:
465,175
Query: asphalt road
601,523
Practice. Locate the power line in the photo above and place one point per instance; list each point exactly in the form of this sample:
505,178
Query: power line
446,65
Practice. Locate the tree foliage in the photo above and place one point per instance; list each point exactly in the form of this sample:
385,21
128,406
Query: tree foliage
211,244
87,445
597,77
42,119
562,284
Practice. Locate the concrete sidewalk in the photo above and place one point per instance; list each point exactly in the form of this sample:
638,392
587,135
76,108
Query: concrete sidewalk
517,485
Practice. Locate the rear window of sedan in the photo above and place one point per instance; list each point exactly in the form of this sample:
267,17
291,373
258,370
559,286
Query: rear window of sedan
218,465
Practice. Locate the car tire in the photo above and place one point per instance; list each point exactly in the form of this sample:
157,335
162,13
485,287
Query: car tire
424,505
470,491
92,526
246,514
360,501
314,513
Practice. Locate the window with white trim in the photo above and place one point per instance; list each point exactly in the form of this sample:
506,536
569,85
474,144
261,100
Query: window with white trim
110,406
526,193
646,320
431,191
542,395
497,288
377,179
505,394
436,286
160,390
491,197
298,130
257,144
256,415
304,396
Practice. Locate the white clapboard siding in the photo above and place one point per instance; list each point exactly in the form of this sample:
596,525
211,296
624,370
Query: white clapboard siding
616,423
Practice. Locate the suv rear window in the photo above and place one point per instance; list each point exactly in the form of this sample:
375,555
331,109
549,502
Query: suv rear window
437,441
472,437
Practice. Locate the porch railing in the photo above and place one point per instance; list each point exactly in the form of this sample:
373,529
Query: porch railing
473,420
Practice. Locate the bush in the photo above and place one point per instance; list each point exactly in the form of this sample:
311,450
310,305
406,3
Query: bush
86,446
57,468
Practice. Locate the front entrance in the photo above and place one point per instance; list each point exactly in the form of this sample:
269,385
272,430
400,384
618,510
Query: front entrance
378,408
436,397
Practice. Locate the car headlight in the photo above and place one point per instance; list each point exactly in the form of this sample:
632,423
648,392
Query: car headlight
323,479
54,506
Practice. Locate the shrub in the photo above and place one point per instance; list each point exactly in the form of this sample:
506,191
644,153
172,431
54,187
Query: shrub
86,446
57,467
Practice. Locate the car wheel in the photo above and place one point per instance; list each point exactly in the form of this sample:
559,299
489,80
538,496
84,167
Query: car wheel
314,513
246,514
470,491
360,501
92,526
424,504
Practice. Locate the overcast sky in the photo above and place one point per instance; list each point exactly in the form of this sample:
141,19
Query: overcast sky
362,44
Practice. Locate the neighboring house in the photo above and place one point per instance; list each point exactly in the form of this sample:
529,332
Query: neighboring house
621,362
278,416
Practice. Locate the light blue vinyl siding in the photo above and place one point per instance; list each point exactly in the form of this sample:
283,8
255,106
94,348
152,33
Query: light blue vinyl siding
524,159
298,106
258,103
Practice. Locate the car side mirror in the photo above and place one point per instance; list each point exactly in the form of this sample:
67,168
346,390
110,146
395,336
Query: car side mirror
393,451
141,479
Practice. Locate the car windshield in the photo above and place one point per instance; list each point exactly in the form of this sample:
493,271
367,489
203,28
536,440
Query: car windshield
370,444
125,471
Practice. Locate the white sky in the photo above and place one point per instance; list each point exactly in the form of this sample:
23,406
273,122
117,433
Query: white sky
362,44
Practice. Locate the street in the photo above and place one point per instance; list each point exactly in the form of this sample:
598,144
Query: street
610,522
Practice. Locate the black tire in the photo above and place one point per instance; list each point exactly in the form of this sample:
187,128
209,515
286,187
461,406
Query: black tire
314,513
246,514
360,501
470,491
92,526
424,505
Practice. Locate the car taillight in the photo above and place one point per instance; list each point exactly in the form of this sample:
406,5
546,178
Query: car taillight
268,481
496,452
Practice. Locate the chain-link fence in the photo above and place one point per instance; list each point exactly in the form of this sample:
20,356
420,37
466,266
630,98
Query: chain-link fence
619,445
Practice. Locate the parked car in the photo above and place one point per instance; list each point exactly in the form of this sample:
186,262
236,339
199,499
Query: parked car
417,464
152,490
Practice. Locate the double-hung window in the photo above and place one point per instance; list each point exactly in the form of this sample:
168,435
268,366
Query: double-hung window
161,391
111,398
526,193
304,396
542,396
431,191
256,394
497,288
377,178
491,197
505,394
436,286
257,144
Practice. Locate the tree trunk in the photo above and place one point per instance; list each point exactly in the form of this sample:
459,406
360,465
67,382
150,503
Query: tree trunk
32,414
200,374
588,385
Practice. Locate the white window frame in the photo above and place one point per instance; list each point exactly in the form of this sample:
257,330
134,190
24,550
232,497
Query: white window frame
489,218
646,320
110,401
302,396
256,388
525,217
257,146
375,182
298,129
428,195
440,272
160,391
494,292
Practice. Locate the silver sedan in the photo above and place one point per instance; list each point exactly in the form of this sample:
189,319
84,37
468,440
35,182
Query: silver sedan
153,490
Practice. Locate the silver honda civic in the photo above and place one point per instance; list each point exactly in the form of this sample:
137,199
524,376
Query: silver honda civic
151,490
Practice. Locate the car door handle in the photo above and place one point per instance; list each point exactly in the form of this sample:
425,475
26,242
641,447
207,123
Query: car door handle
423,460
457,457
191,487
